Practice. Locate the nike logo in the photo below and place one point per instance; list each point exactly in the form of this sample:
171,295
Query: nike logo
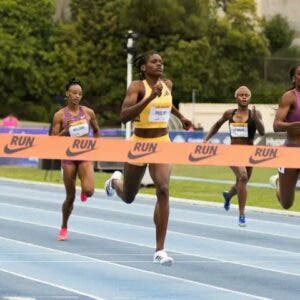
203,151
257,161
263,154
71,153
83,146
7,150
19,143
142,149
194,159
135,156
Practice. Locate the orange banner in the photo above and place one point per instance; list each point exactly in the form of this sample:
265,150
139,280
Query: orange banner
108,149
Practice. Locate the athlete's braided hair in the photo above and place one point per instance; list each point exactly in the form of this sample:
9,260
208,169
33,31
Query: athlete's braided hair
71,82
140,60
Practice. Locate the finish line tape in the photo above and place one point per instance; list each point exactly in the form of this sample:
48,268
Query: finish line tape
118,150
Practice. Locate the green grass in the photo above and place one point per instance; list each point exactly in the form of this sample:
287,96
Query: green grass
261,197
221,173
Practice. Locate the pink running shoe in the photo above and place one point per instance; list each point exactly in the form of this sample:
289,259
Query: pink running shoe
62,236
83,197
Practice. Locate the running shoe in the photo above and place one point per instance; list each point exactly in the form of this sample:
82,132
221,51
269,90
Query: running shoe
226,201
161,257
274,181
62,236
110,191
242,221
83,197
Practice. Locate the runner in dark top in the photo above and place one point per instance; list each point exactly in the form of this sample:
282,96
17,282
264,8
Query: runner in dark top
243,124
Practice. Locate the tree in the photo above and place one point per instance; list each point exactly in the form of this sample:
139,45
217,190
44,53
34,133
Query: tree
278,33
161,26
202,49
239,48
25,32
90,49
177,29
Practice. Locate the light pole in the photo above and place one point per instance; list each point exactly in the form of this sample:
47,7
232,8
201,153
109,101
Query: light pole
131,37
194,100
194,93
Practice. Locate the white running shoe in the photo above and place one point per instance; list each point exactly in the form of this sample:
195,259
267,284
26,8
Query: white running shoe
110,191
274,181
161,257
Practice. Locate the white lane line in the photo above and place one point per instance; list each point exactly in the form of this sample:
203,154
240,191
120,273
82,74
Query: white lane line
151,196
169,231
182,261
179,212
18,298
132,268
151,247
229,182
211,216
49,283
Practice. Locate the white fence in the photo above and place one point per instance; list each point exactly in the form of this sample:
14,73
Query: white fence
206,114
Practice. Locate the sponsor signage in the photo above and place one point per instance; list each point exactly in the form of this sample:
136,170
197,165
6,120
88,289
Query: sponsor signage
202,152
263,154
19,143
120,150
81,146
141,150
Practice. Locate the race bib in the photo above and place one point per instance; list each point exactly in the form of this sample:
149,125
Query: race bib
238,129
159,114
79,128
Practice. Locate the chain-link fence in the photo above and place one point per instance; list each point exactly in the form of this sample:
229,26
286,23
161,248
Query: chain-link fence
276,69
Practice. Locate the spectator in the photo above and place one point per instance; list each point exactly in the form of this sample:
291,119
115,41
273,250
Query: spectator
10,121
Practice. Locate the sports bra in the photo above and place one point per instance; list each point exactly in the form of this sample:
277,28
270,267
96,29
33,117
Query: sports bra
157,113
242,130
294,115
79,125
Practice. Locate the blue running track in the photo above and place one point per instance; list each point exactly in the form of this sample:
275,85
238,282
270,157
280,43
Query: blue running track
109,251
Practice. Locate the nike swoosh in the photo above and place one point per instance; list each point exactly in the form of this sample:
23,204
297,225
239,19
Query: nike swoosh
7,150
257,161
135,156
192,158
71,153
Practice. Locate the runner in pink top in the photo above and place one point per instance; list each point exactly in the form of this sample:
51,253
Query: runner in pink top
75,120
287,119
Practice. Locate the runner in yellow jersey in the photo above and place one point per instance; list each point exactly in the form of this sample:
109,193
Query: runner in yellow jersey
148,103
